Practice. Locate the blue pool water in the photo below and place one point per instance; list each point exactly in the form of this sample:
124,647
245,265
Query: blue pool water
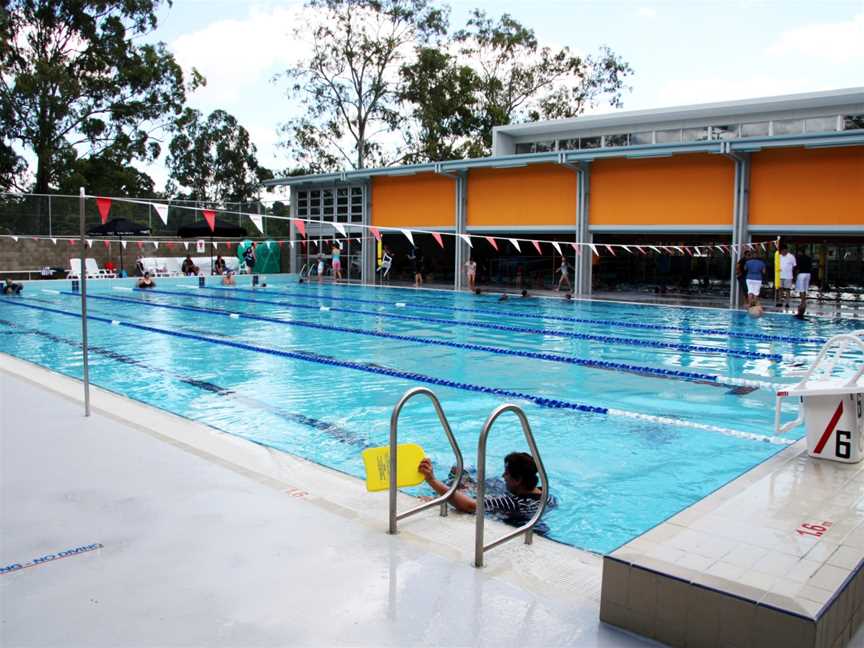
315,370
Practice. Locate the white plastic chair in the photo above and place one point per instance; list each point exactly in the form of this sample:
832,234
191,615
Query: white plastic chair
93,270
74,271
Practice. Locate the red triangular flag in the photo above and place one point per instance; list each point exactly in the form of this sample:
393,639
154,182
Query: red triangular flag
139,244
537,245
577,248
106,244
641,249
609,247
104,206
71,241
170,245
301,227
229,244
437,237
375,233
492,242
210,217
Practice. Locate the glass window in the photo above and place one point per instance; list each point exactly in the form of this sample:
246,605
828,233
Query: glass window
788,127
542,147
568,144
669,136
724,132
853,122
699,134
590,142
616,140
646,137
356,204
524,147
820,124
757,129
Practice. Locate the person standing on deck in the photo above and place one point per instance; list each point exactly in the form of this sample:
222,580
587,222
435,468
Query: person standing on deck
336,254
563,269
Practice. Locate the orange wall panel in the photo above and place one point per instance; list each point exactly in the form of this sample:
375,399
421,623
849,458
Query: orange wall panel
807,187
423,200
679,190
542,194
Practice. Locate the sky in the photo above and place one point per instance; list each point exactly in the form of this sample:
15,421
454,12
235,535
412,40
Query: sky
681,52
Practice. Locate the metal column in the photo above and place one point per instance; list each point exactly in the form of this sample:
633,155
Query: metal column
740,219
582,273
462,251
368,243
292,212
82,276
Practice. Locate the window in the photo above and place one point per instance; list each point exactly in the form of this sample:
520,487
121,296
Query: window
590,142
820,124
699,134
356,204
568,144
523,147
542,147
853,122
724,132
616,140
645,137
788,127
669,136
757,129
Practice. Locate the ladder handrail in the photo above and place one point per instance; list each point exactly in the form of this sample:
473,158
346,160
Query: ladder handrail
460,469
527,528
839,344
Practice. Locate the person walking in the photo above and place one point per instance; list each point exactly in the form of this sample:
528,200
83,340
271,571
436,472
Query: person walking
754,270
787,272
563,269
336,256
803,269
471,273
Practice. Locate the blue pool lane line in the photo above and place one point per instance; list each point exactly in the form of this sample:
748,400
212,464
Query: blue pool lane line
421,378
551,357
575,320
684,348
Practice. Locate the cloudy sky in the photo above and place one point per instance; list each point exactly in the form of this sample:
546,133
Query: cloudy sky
682,52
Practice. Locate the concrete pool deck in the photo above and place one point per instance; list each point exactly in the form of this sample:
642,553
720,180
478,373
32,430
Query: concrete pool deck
136,527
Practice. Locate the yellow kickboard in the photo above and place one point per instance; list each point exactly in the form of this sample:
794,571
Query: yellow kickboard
377,462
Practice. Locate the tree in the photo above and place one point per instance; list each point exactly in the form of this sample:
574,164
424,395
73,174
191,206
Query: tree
520,80
74,73
214,158
444,103
347,86
105,175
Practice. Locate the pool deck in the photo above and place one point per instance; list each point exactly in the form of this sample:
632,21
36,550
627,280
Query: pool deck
136,527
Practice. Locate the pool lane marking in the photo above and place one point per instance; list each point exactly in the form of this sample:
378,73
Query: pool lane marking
421,378
502,327
551,357
41,560
576,320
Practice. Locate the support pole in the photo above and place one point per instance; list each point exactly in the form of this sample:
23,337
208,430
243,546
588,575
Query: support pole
83,279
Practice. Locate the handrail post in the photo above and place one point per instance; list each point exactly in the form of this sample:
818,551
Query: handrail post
527,529
394,517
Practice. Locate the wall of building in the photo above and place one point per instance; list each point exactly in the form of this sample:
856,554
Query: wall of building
423,200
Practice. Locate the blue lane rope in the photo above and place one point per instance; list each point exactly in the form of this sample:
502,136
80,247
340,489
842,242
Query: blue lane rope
346,364
575,320
686,348
551,357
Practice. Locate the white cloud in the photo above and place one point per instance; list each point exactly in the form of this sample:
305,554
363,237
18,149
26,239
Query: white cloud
837,42
647,12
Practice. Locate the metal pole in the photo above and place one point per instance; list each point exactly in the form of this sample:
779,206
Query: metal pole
83,279
49,217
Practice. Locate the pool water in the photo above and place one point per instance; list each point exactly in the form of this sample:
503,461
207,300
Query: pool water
638,411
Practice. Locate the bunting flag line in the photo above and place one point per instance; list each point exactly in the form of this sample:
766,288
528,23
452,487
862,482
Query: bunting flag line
557,247
186,245
375,233
407,233
54,241
258,221
123,244
339,227
467,239
655,248
611,251
156,244
515,244
492,242
594,249
104,206
537,246
15,238
626,249
89,243
210,217
641,249
437,237
162,211
577,249
106,244
301,227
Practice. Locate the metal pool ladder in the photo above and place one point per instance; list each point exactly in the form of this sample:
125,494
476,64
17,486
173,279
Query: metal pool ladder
528,527
460,469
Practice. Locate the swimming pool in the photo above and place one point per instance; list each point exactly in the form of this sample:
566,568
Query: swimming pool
638,411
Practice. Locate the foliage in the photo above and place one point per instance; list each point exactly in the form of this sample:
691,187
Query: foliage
347,85
76,74
105,175
213,159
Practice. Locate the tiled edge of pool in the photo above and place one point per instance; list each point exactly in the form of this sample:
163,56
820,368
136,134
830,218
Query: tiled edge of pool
773,558
546,567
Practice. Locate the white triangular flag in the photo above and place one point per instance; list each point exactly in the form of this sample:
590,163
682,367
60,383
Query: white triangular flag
215,245
655,248
291,243
626,248
339,228
594,249
155,244
258,220
467,239
186,244
557,247
408,234
515,244
162,210
678,247
123,243
54,241
15,238
89,243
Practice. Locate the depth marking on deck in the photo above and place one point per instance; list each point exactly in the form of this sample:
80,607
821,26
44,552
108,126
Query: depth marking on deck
51,557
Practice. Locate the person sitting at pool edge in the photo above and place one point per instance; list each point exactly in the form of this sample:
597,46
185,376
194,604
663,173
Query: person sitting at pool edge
12,288
229,279
146,281
189,268
520,478
219,265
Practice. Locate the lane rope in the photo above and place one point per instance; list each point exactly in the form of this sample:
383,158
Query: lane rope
656,344
410,376
551,357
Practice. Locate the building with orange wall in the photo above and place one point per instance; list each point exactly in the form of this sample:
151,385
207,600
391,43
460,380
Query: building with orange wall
722,173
